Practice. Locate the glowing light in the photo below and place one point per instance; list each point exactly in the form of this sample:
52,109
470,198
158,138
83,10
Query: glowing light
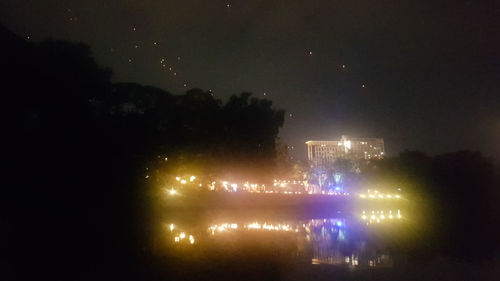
192,178
183,235
172,191
397,196
254,225
347,144
177,178
362,196
183,181
171,227
176,239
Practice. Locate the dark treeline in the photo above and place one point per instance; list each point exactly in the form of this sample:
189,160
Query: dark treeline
78,148
454,200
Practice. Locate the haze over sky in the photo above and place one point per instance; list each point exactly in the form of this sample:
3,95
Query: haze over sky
421,74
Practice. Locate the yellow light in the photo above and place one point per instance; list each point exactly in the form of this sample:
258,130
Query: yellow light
192,178
183,235
363,217
171,226
177,178
389,196
173,191
380,196
372,196
362,196
176,239
397,196
183,181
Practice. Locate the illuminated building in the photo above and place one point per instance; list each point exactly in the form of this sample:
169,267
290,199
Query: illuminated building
324,152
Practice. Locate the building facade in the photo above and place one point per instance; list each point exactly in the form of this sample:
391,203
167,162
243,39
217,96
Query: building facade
326,152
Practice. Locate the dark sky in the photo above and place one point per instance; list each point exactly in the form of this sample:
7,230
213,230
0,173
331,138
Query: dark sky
421,74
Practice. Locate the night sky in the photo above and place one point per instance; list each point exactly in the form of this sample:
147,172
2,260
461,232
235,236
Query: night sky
420,74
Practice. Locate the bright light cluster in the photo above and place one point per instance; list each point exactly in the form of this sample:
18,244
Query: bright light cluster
182,236
333,193
285,183
185,181
377,195
222,227
270,227
380,216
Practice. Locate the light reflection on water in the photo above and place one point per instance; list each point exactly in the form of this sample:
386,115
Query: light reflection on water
352,241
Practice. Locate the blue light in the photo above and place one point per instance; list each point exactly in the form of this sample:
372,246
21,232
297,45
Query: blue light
339,223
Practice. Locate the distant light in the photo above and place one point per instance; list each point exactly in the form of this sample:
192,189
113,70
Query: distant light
183,235
173,191
183,181
178,178
176,239
192,178
171,226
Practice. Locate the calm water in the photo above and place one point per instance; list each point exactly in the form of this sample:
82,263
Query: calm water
353,240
